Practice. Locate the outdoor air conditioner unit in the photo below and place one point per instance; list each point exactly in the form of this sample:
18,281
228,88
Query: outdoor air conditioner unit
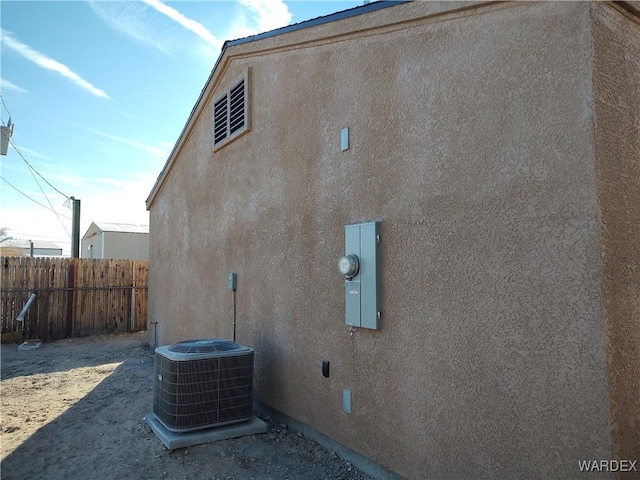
202,383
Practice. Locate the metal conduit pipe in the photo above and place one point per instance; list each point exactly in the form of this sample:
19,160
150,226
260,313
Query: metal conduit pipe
23,312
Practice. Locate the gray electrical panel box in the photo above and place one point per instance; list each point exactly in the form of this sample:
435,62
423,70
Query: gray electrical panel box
360,269
232,281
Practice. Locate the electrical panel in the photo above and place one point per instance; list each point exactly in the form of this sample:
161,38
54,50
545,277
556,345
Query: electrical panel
359,266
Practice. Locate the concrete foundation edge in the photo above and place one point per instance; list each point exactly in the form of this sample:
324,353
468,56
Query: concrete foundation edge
173,440
363,463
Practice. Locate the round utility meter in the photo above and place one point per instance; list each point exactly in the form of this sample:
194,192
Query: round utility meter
348,266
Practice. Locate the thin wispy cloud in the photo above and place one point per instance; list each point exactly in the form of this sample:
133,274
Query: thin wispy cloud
158,26
132,19
48,63
7,85
188,23
110,199
118,199
257,16
268,14
139,20
104,183
163,152
33,153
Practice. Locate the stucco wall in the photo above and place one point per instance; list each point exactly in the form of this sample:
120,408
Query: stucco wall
616,85
472,143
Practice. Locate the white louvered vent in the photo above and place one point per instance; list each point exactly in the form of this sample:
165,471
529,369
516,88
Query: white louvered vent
236,112
231,113
220,110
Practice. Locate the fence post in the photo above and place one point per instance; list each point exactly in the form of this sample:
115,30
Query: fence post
96,296
70,294
132,320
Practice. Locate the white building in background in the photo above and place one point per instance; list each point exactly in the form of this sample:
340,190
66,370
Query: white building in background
116,240
16,247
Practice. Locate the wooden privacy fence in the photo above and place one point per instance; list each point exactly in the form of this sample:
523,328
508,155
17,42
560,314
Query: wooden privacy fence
75,297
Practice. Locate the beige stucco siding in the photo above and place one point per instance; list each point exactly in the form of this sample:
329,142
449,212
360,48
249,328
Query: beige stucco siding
472,142
616,84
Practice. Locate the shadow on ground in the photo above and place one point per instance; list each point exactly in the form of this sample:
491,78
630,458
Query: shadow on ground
104,435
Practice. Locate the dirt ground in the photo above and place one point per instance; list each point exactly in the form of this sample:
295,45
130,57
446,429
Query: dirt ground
74,409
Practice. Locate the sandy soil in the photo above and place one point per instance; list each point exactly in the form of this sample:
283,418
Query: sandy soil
74,409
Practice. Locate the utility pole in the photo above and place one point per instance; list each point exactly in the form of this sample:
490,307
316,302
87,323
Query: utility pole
5,135
75,233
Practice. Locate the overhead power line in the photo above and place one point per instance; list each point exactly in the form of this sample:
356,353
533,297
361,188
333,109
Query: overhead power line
24,159
3,104
33,172
35,236
39,174
35,201
49,201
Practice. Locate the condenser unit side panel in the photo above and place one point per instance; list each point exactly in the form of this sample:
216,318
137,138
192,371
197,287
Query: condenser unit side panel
203,392
188,393
236,388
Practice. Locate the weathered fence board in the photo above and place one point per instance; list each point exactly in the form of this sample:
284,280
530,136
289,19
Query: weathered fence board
139,315
76,297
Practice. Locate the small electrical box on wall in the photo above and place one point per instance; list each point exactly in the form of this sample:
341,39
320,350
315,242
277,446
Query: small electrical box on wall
359,266
232,281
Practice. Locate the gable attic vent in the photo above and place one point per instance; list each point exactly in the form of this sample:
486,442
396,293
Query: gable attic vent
220,120
230,113
236,115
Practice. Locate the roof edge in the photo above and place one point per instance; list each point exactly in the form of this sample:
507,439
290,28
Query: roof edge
632,6
333,17
157,186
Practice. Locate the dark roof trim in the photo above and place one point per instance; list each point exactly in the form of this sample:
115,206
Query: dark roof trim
631,7
333,17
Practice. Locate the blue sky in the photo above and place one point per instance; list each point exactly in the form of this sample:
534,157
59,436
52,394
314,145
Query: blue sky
99,92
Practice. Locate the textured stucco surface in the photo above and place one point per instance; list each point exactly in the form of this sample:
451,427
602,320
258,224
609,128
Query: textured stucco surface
616,87
472,142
